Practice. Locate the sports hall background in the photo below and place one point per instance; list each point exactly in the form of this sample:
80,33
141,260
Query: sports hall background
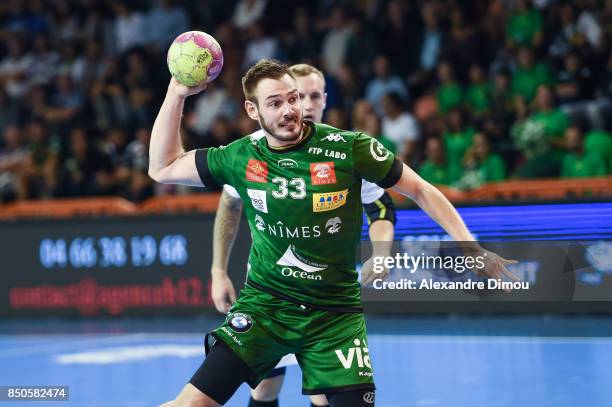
505,105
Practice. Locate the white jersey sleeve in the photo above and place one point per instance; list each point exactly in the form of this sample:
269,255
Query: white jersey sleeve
231,191
370,192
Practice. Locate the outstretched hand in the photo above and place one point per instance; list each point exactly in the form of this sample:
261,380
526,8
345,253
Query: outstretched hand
495,266
182,90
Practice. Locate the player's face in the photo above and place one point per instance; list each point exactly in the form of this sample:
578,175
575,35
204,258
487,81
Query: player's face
313,96
279,109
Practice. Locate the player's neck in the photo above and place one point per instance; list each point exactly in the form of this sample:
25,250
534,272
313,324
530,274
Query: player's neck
280,145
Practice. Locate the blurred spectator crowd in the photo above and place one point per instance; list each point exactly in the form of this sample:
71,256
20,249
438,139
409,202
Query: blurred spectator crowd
464,92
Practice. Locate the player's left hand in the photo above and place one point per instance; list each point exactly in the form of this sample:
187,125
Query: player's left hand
368,275
495,266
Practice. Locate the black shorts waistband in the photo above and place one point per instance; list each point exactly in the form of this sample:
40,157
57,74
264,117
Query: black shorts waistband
340,309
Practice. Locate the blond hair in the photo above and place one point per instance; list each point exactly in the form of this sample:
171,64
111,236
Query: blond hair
305,70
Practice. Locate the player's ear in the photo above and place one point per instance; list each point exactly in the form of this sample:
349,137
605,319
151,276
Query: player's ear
251,109
324,100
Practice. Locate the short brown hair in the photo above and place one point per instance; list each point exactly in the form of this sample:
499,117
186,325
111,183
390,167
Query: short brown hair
305,70
265,68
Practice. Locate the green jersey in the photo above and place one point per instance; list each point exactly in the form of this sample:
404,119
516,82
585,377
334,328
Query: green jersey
582,165
303,207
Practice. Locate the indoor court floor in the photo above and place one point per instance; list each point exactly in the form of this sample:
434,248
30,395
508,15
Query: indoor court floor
418,361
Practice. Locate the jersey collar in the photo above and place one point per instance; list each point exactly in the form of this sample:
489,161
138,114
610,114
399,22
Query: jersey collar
309,128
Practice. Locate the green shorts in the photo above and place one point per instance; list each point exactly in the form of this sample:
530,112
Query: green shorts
330,347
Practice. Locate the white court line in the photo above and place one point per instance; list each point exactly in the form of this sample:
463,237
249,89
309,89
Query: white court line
514,339
107,339
507,339
75,336
61,346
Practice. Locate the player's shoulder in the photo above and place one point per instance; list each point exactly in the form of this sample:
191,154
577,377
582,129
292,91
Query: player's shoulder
245,142
257,135
327,133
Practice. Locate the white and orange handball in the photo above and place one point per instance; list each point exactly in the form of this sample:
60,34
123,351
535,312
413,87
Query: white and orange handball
195,57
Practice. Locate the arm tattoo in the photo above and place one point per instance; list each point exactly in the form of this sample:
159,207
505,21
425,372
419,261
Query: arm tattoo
225,230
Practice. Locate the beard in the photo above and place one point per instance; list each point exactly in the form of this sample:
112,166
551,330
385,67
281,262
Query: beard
293,136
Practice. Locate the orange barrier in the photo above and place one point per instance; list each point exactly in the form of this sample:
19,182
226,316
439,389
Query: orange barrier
181,204
502,192
544,189
452,194
540,189
67,208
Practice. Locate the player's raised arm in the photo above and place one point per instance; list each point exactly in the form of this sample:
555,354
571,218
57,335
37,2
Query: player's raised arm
168,161
375,163
434,203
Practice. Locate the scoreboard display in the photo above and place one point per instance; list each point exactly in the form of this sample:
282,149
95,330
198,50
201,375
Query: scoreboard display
136,265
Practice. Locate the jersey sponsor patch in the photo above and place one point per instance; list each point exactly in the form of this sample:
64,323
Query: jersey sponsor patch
327,153
292,259
378,151
260,224
279,229
258,199
359,353
322,173
240,322
328,201
333,225
257,171
334,137
287,163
